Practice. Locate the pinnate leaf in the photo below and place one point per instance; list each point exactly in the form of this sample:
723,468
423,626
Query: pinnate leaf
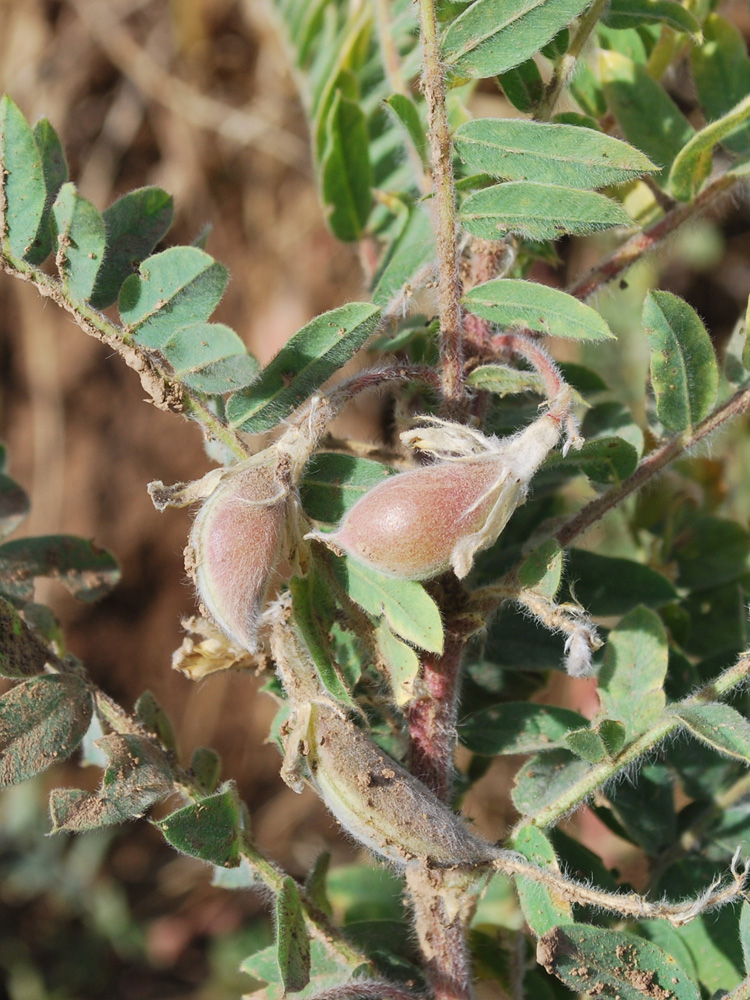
134,224
523,86
612,963
22,176
514,303
80,242
411,253
539,211
210,358
684,370
55,170
292,942
631,681
407,607
605,460
720,726
172,289
42,721
313,355
492,36
137,776
516,149
545,778
208,829
87,571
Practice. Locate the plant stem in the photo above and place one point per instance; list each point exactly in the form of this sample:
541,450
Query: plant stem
650,466
567,64
599,774
444,219
634,248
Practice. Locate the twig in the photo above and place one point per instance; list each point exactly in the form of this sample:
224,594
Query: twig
449,289
567,64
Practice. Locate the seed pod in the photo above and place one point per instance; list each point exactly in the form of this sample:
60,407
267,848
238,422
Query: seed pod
380,803
423,522
234,546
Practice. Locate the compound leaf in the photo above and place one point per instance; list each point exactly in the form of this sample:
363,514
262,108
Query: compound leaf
684,370
311,356
544,778
87,571
42,721
523,86
172,289
514,303
81,240
134,224
208,830
548,153
539,211
137,776
411,253
492,36
210,358
407,607
55,170
22,177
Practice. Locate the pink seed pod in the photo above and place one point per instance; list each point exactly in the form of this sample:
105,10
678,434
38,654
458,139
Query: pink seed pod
234,546
421,523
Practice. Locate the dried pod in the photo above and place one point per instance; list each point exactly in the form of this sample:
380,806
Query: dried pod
234,546
423,522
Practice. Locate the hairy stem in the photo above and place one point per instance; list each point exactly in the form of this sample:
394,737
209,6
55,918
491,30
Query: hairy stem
567,64
642,243
449,291
650,466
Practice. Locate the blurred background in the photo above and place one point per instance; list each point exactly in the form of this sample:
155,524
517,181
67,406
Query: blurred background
194,96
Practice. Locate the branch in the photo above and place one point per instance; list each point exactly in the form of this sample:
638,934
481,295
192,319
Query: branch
449,289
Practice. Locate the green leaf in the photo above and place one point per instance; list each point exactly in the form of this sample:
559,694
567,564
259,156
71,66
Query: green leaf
721,71
539,211
333,483
717,620
172,289
587,744
138,775
514,303
613,964
407,114
326,971
541,908
720,726
692,165
313,614
710,551
520,150
345,172
155,720
517,727
505,381
22,654
292,942
542,569
211,358
55,171
523,86
208,829
311,356
605,460
559,45
87,571
631,681
401,663
745,935
134,224
42,721
492,36
544,778
205,766
632,13
587,90
315,883
411,254
606,585
80,242
638,101
14,505
684,371
407,607
22,175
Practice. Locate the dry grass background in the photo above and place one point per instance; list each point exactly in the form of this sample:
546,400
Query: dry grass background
192,95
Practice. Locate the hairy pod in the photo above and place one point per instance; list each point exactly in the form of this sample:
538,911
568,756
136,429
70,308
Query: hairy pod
234,546
380,803
420,523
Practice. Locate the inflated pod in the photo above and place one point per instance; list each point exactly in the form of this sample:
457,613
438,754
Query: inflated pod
420,523
234,547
